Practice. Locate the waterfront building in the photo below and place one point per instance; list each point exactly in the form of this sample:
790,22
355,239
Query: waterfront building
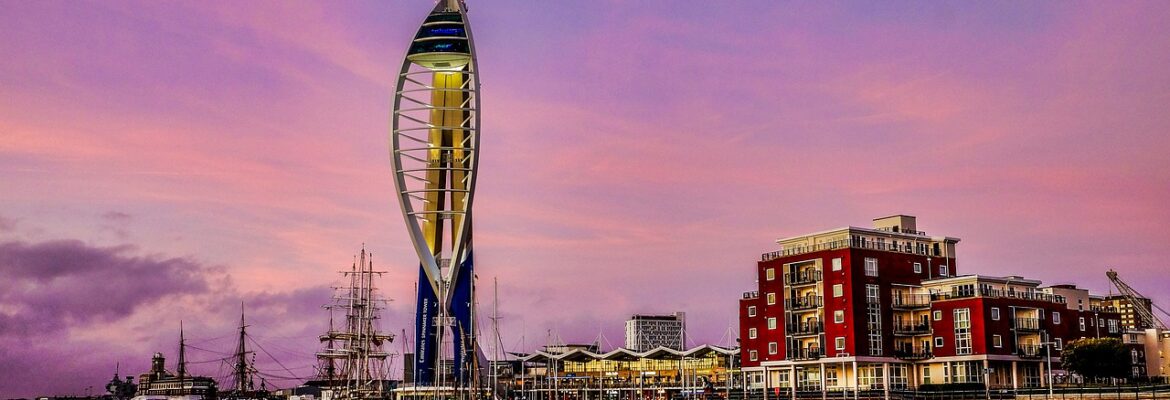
884,308
160,384
625,374
645,332
1131,319
435,153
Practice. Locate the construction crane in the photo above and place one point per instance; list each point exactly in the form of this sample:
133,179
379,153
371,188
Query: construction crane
1135,300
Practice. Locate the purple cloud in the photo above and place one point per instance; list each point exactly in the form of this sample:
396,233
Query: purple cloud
53,285
72,309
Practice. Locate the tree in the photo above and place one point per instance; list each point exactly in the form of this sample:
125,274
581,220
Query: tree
1097,358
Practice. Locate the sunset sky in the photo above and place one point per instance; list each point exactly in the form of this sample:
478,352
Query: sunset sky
166,161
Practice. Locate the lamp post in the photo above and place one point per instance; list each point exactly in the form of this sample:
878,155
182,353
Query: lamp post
1047,343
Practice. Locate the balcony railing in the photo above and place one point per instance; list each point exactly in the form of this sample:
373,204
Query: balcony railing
803,303
911,301
1027,324
913,353
859,242
911,329
967,292
803,278
751,295
808,353
805,329
1029,351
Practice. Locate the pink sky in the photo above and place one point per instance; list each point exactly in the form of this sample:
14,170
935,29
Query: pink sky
169,160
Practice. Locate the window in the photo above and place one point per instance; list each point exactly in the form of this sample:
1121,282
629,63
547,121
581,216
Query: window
962,331
831,377
874,318
838,290
995,313
837,264
938,342
926,374
839,316
1113,326
771,322
771,298
918,268
871,267
1056,318
1059,343
752,333
753,355
937,315
840,342
943,270
1081,322
773,348
770,274
751,311
997,340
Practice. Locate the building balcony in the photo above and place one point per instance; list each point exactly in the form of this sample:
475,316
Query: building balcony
808,277
1030,351
911,329
908,245
808,353
911,353
911,302
805,329
802,303
968,292
751,295
1027,324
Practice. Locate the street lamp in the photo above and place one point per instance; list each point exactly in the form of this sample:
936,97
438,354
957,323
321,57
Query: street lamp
1047,343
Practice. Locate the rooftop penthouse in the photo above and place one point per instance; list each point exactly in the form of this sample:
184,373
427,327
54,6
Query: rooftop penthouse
1011,287
895,233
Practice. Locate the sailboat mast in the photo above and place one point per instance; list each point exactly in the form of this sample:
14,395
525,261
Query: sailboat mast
241,371
182,353
496,330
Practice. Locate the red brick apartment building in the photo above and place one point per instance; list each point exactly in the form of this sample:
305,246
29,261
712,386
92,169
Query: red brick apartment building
861,308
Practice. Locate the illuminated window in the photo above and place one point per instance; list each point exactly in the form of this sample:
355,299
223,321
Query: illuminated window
771,298
770,274
840,342
837,264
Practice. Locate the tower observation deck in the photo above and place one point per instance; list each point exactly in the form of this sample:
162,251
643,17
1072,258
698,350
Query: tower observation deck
435,151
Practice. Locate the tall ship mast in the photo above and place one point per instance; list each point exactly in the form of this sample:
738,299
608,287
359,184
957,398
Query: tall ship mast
435,154
353,361
244,373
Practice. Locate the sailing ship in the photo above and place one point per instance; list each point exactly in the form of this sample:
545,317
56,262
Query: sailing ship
244,373
352,363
